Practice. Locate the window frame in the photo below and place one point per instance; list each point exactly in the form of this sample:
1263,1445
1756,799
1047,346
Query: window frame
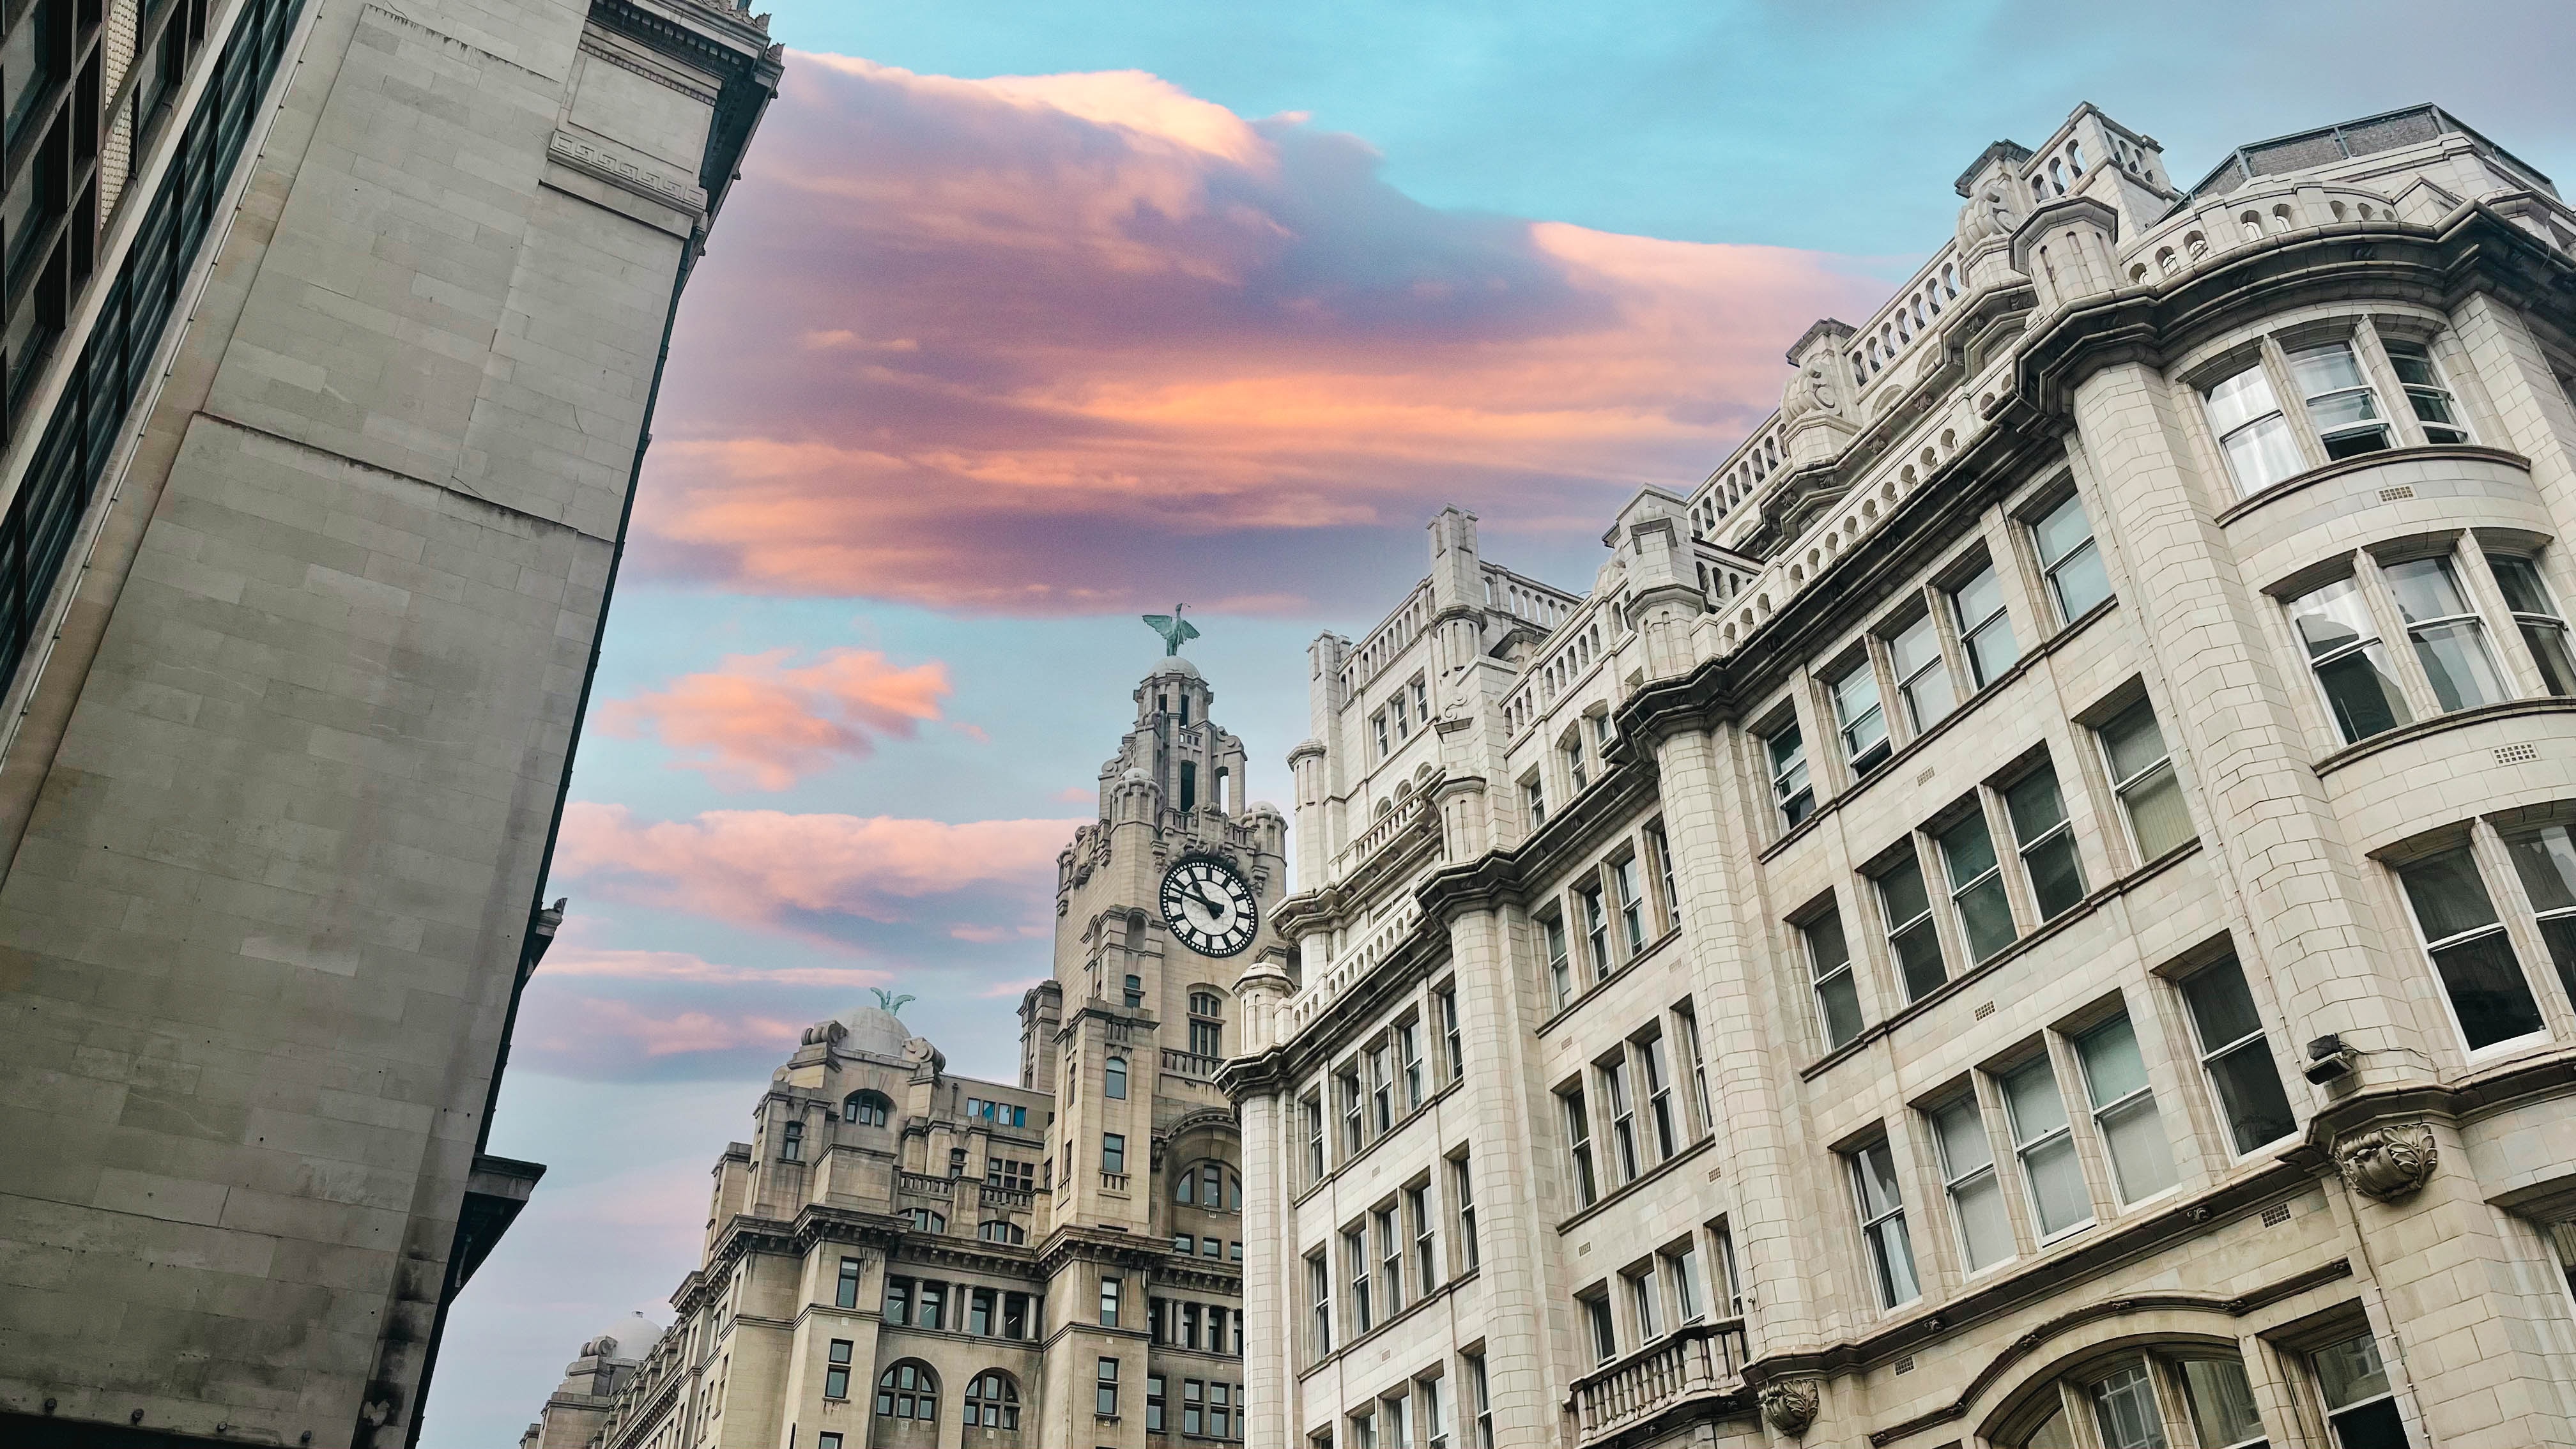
1874,1225
1909,858
2497,929
1864,759
2555,664
2051,569
2257,1041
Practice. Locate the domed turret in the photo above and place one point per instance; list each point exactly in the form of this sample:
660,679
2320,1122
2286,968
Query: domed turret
875,1031
626,1341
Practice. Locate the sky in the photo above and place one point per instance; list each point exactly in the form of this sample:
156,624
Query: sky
1026,319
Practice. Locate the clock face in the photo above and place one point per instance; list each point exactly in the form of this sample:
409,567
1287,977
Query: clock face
1209,907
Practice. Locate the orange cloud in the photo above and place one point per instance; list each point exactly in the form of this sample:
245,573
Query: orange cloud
806,872
669,966
1068,336
590,1021
755,720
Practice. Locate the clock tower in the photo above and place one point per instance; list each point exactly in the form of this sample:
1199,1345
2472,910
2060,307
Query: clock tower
1163,904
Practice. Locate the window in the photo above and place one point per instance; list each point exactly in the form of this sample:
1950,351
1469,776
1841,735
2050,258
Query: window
1105,1394
1390,1260
1355,1257
1313,1108
2251,431
1729,1279
2490,1001
1641,1304
1435,1413
1010,1176
1690,1294
2450,639
1193,1406
1449,1034
2124,1110
845,1294
1623,1114
1698,1068
993,1400
2535,614
2124,1405
791,1142
898,1302
1319,1305
1483,1400
2045,1143
1391,1412
2237,1057
1596,929
1605,1333
867,1109
1572,750
1385,743
908,1391
1560,973
932,1305
1207,1024
2546,861
2142,774
1113,1152
1349,1083
836,1370
2070,559
1109,1291
1421,702
1463,1193
1977,885
1911,937
979,1312
1113,1078
1408,1056
1135,993
1153,1403
2351,665
1364,1430
1534,798
929,1220
2425,394
1968,1176
1659,1096
1578,1137
1791,789
1663,853
1210,1186
1985,627
1882,1225
1829,967
2359,1402
1426,1256
1015,1315
2047,842
2221,1403
1858,718
1381,1091
1184,1244
827,1440
2341,402
1922,676
1632,904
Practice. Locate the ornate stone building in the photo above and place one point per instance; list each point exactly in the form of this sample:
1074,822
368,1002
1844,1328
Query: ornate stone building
904,1257
2033,907
330,337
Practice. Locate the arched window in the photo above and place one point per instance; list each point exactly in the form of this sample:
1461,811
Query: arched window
1135,993
1001,1230
2127,1399
1113,1078
909,1390
1207,1024
1211,1186
929,1220
993,1401
868,1109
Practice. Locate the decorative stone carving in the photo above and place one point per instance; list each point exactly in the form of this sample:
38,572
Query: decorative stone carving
1790,1404
2388,1161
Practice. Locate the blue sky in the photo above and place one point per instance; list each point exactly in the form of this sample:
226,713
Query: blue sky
977,370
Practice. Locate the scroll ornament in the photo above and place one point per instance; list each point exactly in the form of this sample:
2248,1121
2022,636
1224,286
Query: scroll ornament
1790,1404
2388,1161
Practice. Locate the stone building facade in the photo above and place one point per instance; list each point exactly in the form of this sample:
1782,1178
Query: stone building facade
907,1258
2035,906
332,332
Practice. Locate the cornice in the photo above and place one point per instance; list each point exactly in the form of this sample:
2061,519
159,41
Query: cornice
1074,1243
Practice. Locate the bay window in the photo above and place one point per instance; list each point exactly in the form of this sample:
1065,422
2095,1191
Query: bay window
2546,861
2489,999
2426,396
2351,666
2252,432
2536,616
2450,640
2341,403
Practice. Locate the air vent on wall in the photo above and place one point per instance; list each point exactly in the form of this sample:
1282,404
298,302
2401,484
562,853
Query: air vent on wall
2517,754
2276,1214
2398,494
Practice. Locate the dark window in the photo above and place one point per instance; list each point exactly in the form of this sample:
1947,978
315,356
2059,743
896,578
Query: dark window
836,1374
993,1400
908,1391
847,1294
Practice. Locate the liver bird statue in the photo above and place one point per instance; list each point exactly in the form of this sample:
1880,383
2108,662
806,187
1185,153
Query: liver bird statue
1175,630
888,1001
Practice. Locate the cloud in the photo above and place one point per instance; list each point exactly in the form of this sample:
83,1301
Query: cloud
594,1025
755,720
680,966
1067,340
811,874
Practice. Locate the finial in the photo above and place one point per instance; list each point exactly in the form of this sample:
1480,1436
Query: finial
1174,629
888,1002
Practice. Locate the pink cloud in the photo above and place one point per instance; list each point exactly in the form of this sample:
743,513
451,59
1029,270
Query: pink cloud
680,966
754,719
772,868
589,1023
1061,336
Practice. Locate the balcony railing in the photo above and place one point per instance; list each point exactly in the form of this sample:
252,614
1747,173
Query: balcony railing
1700,1361
1113,1182
1191,1065
924,1183
1007,1198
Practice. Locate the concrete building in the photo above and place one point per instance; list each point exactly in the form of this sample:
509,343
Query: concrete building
331,336
904,1257
2033,907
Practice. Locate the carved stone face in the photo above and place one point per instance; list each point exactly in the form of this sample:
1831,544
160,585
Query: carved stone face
2388,1161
